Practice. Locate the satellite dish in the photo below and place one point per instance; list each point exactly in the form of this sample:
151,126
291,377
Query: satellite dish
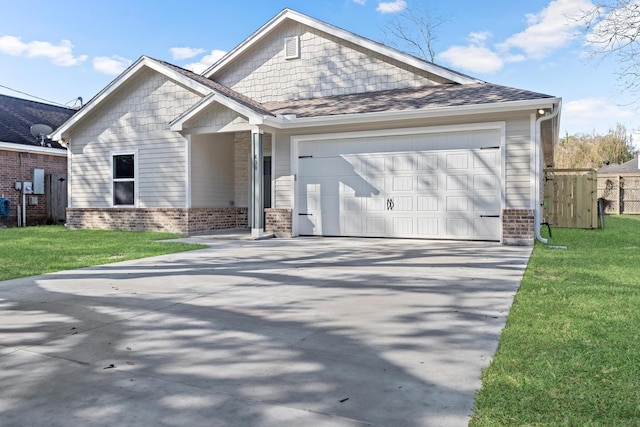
40,131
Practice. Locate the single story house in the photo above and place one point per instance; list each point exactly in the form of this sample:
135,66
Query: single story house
307,129
21,153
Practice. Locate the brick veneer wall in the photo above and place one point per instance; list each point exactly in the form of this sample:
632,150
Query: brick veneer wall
158,219
517,227
278,222
19,166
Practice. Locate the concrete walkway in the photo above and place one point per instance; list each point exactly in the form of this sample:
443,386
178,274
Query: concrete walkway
282,332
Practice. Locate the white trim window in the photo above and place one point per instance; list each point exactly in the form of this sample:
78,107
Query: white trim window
125,187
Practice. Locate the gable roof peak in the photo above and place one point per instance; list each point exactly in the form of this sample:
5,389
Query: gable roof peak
290,14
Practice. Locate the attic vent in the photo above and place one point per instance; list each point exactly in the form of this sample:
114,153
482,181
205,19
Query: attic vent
292,47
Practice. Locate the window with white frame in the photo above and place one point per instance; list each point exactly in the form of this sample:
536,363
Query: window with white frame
124,179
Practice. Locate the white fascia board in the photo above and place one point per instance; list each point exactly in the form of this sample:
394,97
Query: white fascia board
254,118
343,34
141,63
10,146
347,119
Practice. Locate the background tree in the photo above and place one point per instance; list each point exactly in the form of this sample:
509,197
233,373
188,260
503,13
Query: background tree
612,28
591,151
414,30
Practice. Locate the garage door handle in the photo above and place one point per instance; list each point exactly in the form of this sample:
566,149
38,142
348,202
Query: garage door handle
489,216
305,214
390,204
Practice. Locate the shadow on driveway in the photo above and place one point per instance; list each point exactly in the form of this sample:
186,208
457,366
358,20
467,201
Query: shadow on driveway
306,331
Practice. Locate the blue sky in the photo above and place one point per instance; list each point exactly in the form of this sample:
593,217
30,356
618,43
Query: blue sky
59,50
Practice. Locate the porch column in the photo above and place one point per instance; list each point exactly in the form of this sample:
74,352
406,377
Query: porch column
257,188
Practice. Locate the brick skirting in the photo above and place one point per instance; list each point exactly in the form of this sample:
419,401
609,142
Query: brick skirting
517,227
180,220
278,222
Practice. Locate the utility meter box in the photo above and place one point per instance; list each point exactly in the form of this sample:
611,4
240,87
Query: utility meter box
27,187
38,181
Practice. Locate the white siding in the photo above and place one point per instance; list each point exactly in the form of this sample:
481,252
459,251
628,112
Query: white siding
327,66
283,179
212,171
518,162
134,118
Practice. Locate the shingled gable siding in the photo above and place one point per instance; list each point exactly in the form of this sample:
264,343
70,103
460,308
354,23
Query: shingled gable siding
135,118
327,66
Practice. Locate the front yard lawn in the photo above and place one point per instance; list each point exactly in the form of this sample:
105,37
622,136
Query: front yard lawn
30,251
570,352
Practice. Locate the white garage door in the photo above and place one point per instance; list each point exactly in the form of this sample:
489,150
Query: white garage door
436,185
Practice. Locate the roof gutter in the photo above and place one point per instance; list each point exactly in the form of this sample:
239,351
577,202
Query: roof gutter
24,148
538,159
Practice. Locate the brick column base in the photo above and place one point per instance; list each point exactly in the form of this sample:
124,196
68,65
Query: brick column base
278,222
517,227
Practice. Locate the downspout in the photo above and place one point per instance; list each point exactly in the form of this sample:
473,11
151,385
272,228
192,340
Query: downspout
538,155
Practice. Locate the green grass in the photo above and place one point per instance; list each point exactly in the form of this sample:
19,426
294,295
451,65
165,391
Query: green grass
30,251
570,352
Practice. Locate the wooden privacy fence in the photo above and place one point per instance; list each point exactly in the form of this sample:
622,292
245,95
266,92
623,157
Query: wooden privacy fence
571,198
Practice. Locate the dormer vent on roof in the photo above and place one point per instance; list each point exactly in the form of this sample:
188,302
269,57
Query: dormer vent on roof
292,47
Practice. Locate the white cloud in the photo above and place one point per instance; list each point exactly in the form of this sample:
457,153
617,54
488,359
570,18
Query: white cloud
392,7
206,61
360,1
60,54
589,114
113,65
475,57
478,59
549,30
179,53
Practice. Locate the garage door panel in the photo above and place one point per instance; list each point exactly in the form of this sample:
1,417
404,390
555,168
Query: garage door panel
427,182
402,226
427,162
458,204
402,203
457,227
457,161
376,204
403,163
487,202
457,182
428,227
427,203
486,159
376,226
371,188
485,182
403,183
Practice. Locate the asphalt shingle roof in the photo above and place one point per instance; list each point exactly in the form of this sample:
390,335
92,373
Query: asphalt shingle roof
224,90
18,115
629,167
451,95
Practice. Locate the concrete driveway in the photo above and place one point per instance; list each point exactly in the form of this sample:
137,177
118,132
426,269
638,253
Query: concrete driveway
292,332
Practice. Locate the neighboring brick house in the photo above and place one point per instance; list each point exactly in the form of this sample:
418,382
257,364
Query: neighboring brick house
21,153
308,129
